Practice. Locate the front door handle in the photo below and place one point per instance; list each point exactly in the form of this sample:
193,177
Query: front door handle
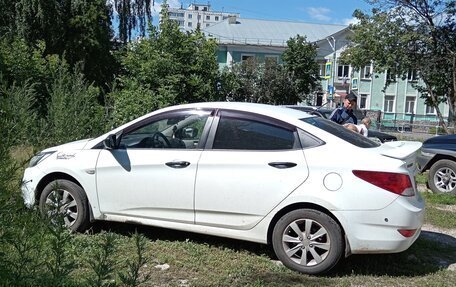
178,164
282,165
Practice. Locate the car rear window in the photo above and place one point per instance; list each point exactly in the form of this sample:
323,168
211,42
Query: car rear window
341,132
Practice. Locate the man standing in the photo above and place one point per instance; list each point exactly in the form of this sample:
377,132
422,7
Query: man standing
344,114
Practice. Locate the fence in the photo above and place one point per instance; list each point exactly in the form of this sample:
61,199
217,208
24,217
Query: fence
399,122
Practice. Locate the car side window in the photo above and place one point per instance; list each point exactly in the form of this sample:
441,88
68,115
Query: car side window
246,134
178,131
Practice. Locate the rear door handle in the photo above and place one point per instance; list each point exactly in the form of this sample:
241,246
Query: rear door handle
178,164
282,165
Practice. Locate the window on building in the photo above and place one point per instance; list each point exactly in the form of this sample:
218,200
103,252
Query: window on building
208,17
196,8
412,75
366,72
216,18
207,24
322,69
430,110
204,8
246,57
190,16
343,71
199,17
410,105
363,101
388,106
390,76
189,24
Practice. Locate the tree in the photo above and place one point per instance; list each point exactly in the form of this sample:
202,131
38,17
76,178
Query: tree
78,30
170,66
133,14
410,35
258,82
299,58
273,83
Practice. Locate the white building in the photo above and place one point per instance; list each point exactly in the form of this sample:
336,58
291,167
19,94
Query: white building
197,15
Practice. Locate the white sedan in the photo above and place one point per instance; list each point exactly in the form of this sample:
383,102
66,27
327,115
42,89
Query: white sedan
311,188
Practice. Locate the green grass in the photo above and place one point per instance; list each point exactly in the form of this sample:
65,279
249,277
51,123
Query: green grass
433,198
201,260
421,178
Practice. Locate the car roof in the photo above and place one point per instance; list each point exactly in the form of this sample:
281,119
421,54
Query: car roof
278,112
264,109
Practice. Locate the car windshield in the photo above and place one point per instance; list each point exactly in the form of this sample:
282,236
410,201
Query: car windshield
341,132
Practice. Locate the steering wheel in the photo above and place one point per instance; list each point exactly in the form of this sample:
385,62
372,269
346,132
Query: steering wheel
160,140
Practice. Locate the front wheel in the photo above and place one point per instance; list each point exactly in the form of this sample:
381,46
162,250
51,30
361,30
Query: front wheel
442,176
308,241
65,202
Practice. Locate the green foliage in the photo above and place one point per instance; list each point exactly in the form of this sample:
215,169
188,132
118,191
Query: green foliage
134,100
132,276
18,116
253,81
169,67
102,262
80,31
59,261
271,83
131,15
299,58
73,109
395,43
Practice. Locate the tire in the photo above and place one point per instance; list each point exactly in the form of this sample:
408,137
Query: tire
442,176
289,240
68,200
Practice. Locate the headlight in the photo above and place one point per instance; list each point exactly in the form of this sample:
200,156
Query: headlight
39,157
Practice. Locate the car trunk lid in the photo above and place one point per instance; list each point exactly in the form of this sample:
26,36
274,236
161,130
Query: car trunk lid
406,151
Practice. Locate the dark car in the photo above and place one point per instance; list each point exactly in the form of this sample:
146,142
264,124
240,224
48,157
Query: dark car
326,113
438,155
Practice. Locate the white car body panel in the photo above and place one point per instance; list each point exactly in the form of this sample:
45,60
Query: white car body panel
137,182
199,199
226,201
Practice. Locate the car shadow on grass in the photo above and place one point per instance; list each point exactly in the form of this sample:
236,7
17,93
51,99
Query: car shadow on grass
430,253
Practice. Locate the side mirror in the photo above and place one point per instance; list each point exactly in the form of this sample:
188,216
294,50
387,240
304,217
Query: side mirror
110,142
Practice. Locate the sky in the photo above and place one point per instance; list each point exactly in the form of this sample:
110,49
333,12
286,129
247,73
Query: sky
311,11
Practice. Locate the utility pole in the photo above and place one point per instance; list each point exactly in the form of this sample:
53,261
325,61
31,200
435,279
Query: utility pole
331,88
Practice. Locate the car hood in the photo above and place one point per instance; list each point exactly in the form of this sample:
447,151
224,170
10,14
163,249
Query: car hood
406,151
76,145
447,142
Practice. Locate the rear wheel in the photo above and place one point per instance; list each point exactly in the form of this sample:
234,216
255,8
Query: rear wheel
442,176
65,202
308,241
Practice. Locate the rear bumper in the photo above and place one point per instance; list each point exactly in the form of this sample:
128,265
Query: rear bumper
376,231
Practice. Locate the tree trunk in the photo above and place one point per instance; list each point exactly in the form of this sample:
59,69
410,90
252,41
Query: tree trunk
452,99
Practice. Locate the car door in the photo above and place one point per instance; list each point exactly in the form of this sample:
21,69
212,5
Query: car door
152,173
250,165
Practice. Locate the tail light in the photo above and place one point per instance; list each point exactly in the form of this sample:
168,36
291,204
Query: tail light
407,232
397,183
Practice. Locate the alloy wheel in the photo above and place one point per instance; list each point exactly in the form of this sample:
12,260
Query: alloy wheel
445,179
60,202
306,242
